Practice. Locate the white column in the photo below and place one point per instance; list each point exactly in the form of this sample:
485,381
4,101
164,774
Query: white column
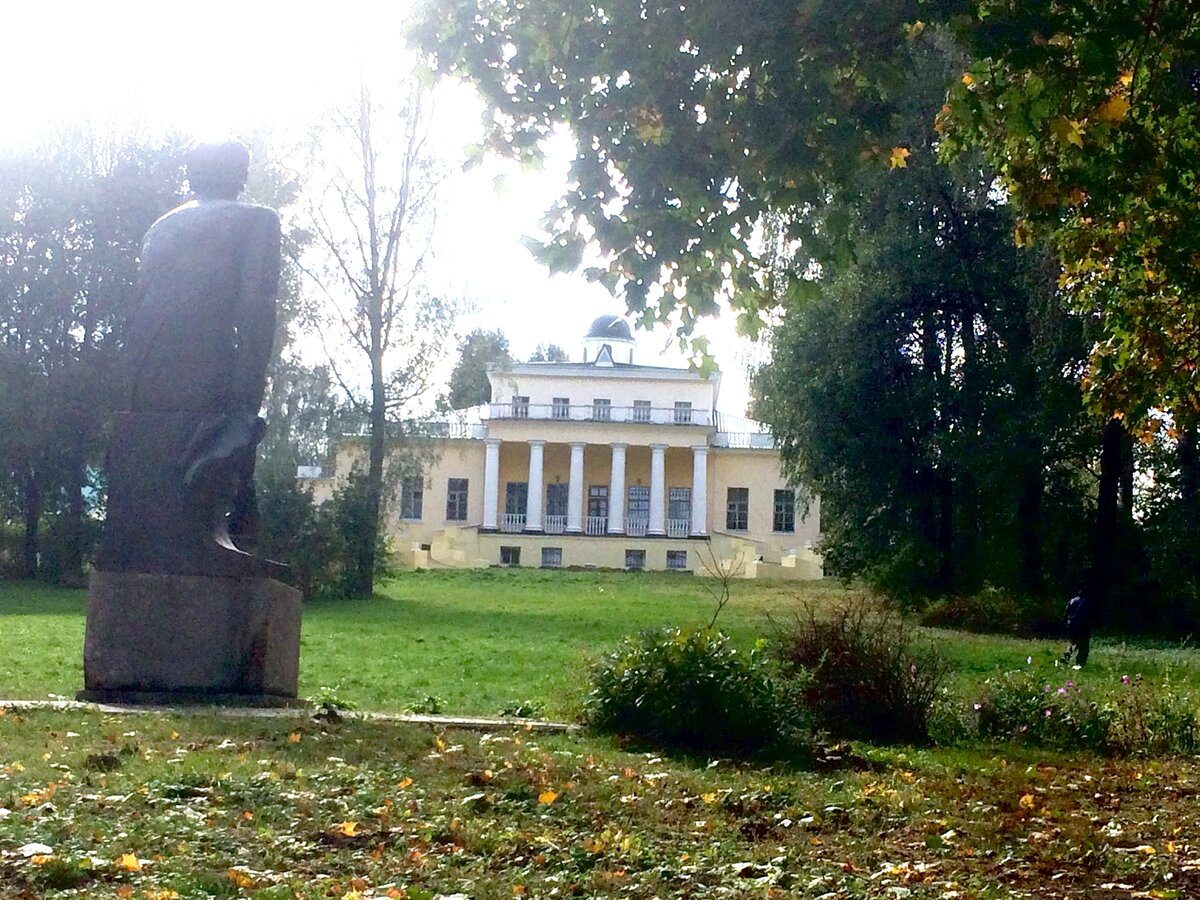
491,483
658,491
616,491
700,490
533,502
575,490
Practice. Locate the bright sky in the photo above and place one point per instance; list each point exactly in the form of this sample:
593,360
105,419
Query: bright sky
220,68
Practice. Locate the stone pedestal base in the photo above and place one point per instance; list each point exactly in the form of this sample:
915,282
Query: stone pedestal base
190,639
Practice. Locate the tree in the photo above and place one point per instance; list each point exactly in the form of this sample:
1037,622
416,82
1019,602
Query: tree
481,350
929,390
696,123
72,215
372,218
1091,115
549,353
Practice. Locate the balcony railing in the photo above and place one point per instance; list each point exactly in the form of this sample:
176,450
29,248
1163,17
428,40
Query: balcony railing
513,522
594,525
556,524
636,526
677,528
742,440
589,412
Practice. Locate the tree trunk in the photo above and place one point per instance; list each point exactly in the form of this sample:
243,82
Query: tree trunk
1104,544
1029,526
32,503
363,584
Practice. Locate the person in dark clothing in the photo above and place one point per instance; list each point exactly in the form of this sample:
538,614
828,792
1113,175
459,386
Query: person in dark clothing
1080,619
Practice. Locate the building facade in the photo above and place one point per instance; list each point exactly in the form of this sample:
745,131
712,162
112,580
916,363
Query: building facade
600,463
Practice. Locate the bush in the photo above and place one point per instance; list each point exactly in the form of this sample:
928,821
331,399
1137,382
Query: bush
862,672
689,690
995,611
1134,718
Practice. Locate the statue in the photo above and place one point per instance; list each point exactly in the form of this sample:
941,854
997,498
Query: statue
178,610
182,461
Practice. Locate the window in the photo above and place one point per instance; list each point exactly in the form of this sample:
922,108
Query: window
601,409
598,500
635,559
560,408
516,495
679,504
456,499
785,511
639,503
641,410
737,509
510,556
520,407
683,412
677,559
557,499
551,557
412,495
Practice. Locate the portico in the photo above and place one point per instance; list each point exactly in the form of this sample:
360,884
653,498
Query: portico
540,486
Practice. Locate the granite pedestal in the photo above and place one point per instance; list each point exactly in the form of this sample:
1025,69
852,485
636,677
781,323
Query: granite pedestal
167,639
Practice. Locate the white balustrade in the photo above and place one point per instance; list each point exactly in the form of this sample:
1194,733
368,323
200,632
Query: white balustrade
677,528
513,522
556,524
596,525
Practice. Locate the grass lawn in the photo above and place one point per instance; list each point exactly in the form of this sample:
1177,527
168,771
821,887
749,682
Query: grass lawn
181,806
482,640
155,807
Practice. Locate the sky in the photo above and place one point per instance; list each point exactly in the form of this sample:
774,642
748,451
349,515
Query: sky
222,68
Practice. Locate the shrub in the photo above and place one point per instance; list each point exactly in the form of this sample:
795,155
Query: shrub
689,690
1135,717
863,672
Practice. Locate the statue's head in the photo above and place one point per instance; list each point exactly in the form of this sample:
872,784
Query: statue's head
217,171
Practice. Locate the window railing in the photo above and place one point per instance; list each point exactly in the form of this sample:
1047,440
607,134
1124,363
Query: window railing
636,526
594,525
556,524
589,412
513,522
677,528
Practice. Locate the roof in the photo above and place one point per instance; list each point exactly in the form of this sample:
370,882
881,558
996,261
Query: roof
612,328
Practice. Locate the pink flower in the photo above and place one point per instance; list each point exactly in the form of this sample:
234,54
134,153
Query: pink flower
1124,679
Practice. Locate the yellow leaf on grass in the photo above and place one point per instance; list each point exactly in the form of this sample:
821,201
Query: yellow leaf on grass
1027,802
294,737
547,797
406,782
518,890
349,829
1146,849
709,798
899,157
41,859
240,878
967,79
129,862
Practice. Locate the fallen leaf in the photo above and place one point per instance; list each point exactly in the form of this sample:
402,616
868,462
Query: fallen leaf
1027,802
294,737
899,157
129,862
547,797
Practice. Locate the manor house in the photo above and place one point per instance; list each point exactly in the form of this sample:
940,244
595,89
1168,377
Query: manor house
601,462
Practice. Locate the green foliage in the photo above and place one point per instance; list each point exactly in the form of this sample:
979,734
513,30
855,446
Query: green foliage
524,709
1090,113
1135,717
321,545
479,351
689,690
861,671
925,390
429,705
